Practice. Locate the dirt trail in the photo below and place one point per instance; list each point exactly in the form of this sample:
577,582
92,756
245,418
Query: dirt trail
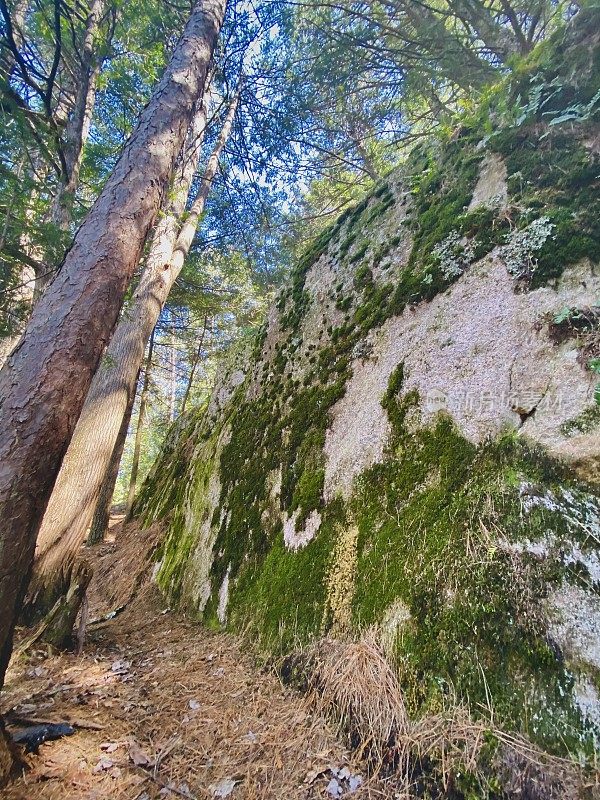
164,708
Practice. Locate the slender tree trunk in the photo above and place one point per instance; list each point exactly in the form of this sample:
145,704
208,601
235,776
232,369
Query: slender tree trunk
195,362
495,37
101,518
73,500
172,356
44,383
137,447
18,15
77,130
78,125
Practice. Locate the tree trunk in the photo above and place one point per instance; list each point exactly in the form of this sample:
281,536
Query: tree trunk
135,463
195,363
73,500
8,63
8,760
494,36
78,124
101,517
71,506
172,362
76,131
57,626
44,383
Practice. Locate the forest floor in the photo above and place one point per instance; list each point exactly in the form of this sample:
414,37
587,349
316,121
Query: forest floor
163,708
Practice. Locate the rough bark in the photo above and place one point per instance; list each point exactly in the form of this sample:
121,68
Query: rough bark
44,383
78,484
101,518
172,365
8,758
71,507
57,627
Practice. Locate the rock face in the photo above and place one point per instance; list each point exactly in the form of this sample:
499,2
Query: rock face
413,440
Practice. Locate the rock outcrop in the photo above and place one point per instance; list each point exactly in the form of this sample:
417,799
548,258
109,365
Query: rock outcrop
413,441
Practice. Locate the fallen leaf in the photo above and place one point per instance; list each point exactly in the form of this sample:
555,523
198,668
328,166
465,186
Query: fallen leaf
139,757
102,765
223,788
109,747
354,782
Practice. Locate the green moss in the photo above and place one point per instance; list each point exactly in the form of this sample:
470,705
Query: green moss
423,515
282,597
554,175
588,420
433,518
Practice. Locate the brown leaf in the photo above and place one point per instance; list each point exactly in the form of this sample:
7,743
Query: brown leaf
139,757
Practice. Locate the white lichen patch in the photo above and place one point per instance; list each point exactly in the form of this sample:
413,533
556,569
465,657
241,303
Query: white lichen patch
491,189
271,515
587,699
295,539
204,497
224,598
574,624
580,510
478,352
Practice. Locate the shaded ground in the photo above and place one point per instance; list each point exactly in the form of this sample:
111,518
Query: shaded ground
164,708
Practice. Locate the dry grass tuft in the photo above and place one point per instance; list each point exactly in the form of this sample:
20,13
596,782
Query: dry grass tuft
353,683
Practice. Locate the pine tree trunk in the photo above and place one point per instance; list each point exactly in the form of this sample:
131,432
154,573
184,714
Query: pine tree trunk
172,358
78,124
195,363
44,383
75,494
71,506
137,447
101,517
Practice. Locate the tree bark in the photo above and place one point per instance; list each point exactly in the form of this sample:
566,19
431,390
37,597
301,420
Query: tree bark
172,363
495,37
74,497
71,506
44,382
195,363
101,518
78,125
135,463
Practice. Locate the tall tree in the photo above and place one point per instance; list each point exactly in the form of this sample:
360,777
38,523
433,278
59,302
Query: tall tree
75,494
44,383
